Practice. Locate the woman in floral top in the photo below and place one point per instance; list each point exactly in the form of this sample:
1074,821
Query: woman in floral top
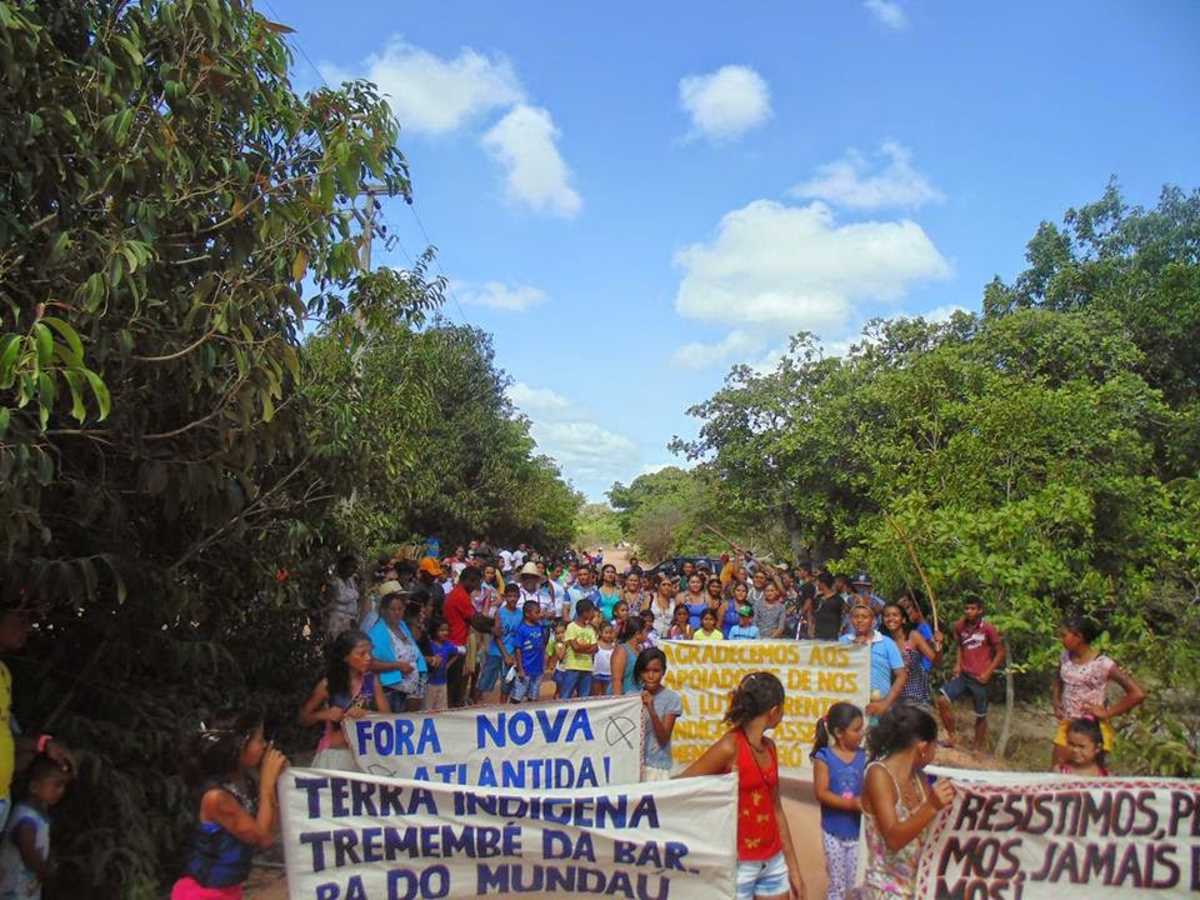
1079,689
897,804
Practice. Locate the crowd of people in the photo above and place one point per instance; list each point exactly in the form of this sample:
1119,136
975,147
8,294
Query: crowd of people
512,626
483,626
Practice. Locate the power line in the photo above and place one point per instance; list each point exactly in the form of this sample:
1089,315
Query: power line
438,262
295,39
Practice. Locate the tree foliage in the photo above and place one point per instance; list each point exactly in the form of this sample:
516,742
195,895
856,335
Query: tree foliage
201,389
673,511
433,442
1043,454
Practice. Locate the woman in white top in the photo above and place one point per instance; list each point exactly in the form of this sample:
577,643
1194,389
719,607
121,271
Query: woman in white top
663,606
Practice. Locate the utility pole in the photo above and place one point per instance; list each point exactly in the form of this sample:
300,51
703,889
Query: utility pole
367,219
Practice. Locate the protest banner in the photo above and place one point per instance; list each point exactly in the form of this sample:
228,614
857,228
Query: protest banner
815,674
1020,836
350,836
532,745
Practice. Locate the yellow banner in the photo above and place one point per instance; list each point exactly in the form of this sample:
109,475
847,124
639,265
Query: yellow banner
815,675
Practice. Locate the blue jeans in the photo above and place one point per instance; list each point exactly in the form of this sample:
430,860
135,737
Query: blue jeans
575,684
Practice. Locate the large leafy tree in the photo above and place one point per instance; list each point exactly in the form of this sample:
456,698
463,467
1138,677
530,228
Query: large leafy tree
432,443
1044,454
173,217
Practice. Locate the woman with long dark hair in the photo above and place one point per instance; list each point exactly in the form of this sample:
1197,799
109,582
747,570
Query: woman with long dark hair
767,865
349,689
916,651
897,802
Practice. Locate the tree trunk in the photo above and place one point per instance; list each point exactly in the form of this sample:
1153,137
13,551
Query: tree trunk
1006,727
791,521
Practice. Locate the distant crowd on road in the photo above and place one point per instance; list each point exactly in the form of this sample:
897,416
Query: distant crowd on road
485,625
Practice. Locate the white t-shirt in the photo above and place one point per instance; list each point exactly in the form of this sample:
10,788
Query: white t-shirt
602,661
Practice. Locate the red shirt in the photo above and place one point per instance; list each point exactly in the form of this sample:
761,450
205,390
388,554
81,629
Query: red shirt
757,833
978,643
458,610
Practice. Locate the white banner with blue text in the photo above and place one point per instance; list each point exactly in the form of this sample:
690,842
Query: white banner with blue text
532,746
349,836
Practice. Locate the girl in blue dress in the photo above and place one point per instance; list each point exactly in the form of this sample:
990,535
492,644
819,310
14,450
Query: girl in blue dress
838,764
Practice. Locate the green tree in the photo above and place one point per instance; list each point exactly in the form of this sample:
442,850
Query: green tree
164,196
1043,455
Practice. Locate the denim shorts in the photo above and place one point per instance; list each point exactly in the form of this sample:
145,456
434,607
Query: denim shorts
526,688
762,878
962,684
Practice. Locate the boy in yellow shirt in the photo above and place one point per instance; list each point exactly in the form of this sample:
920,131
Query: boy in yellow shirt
580,639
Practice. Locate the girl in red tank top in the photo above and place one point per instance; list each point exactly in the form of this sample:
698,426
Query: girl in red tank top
767,864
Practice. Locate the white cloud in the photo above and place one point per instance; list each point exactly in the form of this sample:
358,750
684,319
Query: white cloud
585,450
726,103
795,268
524,143
889,12
432,94
849,182
697,355
497,295
769,362
590,455
531,400
943,314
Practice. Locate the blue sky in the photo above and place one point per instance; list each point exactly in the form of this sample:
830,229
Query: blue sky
631,197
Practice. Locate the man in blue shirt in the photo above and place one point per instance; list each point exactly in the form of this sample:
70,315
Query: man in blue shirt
581,589
888,673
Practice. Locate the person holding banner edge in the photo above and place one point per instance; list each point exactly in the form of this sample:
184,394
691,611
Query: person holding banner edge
661,707
767,865
888,673
897,805
349,688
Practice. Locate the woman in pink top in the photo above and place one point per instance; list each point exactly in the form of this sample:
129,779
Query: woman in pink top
1079,689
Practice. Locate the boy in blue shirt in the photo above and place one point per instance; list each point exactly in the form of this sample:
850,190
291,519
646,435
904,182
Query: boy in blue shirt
529,649
441,652
499,654
745,630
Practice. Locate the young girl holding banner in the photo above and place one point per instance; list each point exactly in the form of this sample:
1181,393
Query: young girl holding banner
897,803
349,688
767,864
